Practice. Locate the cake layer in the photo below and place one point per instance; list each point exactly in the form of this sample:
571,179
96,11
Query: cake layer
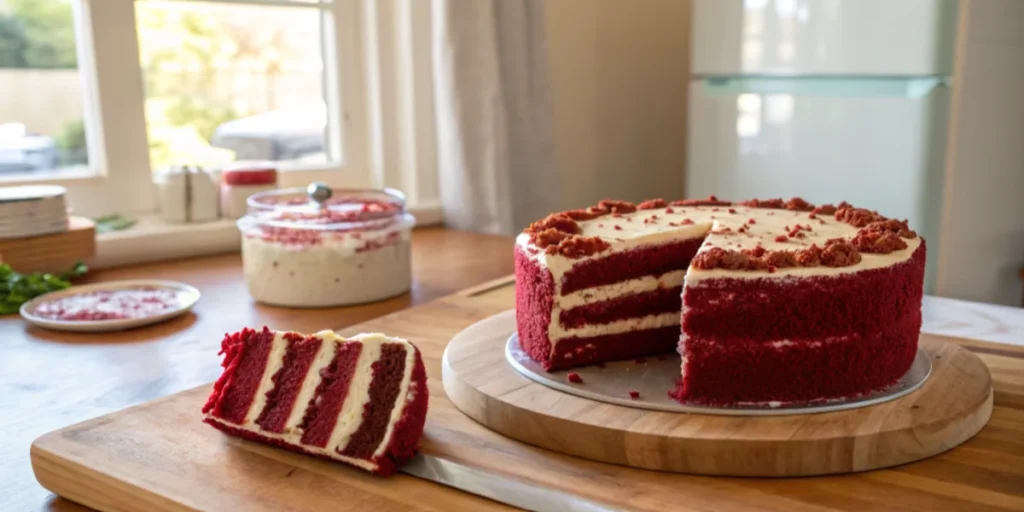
245,357
323,411
796,370
637,262
360,400
584,350
662,300
534,291
286,383
810,308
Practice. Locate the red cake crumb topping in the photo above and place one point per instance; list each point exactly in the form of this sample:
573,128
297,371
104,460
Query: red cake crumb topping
764,203
585,214
560,233
710,201
556,221
891,226
826,209
651,204
549,237
578,246
634,394
575,378
858,217
616,206
109,304
839,253
878,242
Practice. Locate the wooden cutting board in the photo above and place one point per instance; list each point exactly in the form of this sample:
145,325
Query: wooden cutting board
951,407
158,456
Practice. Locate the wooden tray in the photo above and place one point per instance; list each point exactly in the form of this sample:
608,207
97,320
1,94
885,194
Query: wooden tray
951,407
159,457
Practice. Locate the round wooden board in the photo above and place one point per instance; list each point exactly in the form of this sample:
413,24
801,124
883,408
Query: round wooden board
952,406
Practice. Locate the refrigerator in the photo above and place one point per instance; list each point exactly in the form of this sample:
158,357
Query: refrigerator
829,100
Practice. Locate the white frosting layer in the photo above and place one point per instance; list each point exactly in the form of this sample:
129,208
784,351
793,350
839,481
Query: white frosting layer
351,413
721,229
557,332
620,289
350,416
324,356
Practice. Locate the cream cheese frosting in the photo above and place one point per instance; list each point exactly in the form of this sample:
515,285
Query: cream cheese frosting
720,227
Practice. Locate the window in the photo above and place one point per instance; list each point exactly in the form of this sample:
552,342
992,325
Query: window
231,82
333,90
42,119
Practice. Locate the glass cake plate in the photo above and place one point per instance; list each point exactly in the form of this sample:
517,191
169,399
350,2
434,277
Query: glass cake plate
654,377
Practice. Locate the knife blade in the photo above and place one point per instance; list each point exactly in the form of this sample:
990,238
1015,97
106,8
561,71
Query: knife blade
498,487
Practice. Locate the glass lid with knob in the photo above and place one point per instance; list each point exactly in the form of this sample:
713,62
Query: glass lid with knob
319,207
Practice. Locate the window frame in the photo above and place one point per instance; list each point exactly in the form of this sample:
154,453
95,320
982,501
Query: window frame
378,92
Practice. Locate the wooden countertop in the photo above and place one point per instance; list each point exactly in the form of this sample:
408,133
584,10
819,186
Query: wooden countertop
51,379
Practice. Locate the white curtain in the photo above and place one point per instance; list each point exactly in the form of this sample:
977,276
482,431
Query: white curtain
496,153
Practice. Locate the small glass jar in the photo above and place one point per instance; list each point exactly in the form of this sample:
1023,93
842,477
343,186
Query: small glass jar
351,248
241,180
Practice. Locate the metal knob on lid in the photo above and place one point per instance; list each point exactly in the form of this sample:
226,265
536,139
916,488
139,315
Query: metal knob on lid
319,192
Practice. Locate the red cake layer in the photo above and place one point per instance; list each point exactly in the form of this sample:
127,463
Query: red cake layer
623,266
244,363
534,298
409,429
384,387
580,351
805,308
662,300
322,411
725,363
288,381
723,373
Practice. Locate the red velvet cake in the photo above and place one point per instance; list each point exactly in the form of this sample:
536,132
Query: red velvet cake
765,301
360,400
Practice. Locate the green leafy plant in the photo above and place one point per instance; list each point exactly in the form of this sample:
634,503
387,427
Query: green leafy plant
17,289
114,222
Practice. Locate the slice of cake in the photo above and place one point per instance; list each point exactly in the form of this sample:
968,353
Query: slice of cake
359,400
765,301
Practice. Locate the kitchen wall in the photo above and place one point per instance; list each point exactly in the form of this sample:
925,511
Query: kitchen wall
618,73
982,241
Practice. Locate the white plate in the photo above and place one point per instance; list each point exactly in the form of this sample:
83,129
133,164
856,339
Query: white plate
655,376
187,297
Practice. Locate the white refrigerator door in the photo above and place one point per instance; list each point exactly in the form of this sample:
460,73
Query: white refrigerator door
878,144
823,37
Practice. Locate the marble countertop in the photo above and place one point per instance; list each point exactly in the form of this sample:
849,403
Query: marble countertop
973,320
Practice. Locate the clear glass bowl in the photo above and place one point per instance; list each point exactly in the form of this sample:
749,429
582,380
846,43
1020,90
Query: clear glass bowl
352,248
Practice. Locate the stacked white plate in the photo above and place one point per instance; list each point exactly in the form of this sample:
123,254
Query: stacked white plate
32,210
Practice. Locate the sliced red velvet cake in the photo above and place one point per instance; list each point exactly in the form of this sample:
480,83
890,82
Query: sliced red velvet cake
765,301
359,400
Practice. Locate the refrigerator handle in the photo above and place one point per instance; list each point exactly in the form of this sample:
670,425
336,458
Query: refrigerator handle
912,88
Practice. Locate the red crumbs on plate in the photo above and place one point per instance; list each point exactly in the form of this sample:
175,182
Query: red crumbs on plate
575,378
634,394
109,304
